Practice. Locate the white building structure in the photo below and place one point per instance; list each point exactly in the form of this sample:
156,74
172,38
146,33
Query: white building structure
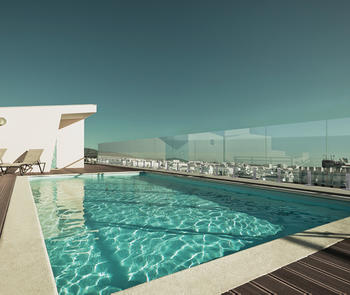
58,130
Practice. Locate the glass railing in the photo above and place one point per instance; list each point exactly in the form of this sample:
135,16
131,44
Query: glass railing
318,176
311,153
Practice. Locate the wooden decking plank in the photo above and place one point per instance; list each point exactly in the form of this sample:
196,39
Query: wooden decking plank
327,268
7,183
338,251
251,289
276,286
335,258
345,242
344,248
320,278
302,282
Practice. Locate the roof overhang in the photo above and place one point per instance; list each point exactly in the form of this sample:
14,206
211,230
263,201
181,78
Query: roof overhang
68,119
69,114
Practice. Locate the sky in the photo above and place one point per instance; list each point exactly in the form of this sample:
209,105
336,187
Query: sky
158,68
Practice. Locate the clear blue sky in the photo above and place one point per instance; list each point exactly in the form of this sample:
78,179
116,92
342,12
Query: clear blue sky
158,68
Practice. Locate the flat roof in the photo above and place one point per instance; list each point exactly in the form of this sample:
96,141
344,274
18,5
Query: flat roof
52,106
63,109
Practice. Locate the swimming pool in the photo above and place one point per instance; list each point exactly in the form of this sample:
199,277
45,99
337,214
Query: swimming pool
108,233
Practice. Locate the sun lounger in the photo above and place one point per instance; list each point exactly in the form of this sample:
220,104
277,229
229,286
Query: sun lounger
25,163
2,152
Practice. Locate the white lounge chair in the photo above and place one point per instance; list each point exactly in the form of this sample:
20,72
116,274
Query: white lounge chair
31,158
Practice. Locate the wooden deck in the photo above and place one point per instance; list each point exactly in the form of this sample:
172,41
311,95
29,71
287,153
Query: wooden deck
7,182
325,272
87,169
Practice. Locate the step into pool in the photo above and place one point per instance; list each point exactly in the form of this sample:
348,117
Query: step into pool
106,233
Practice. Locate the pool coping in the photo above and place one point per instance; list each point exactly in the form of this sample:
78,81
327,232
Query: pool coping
213,277
24,262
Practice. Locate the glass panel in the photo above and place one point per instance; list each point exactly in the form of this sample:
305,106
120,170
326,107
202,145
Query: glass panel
246,146
338,142
298,152
300,144
206,147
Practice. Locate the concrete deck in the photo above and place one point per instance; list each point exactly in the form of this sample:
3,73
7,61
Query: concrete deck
24,264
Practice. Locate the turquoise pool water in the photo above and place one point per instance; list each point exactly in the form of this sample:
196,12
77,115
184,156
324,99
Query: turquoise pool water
108,233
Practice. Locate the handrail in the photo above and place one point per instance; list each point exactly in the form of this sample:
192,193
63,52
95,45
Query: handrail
73,163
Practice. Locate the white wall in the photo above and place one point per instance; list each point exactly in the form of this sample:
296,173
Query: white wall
70,146
37,128
29,128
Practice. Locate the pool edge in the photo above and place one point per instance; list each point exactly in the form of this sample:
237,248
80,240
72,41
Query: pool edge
24,262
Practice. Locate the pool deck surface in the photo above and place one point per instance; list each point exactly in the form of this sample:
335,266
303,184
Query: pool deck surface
295,263
24,264
87,169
